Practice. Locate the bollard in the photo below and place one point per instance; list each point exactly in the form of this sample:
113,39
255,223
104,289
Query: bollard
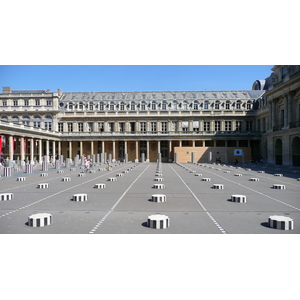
281,222
158,198
158,221
40,220
80,197
6,196
238,198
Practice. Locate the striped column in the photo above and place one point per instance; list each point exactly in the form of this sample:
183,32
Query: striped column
158,221
28,168
40,220
281,222
7,172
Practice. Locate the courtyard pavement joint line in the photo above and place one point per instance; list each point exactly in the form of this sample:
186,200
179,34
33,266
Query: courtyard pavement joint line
112,209
210,216
92,179
246,187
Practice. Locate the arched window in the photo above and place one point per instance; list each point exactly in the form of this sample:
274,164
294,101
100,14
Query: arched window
48,122
206,104
217,105
122,106
15,119
112,106
164,105
91,106
153,106
101,106
143,106
227,105
249,105
71,105
238,104
185,106
174,106
132,106
196,105
25,120
80,106
4,118
37,121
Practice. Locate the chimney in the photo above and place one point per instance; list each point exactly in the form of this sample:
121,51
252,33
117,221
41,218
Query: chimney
6,90
59,92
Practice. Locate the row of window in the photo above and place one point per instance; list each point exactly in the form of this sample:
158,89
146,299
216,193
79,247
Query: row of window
153,126
25,102
154,106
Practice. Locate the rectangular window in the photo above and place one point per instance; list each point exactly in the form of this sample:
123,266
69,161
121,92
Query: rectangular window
16,103
132,126
122,127
100,126
238,125
122,106
143,127
205,105
227,125
80,127
90,127
111,127
60,127
174,126
217,125
206,126
4,102
164,127
70,127
249,125
49,102
26,102
48,125
153,127
143,106
37,102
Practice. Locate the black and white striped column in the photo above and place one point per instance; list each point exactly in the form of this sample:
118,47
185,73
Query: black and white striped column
7,172
28,168
281,222
40,220
158,221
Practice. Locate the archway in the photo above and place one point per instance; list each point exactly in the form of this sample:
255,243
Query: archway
296,151
278,152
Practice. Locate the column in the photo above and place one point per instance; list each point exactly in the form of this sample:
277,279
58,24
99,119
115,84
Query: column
59,148
103,146
40,151
22,149
125,147
54,150
114,151
47,149
158,146
180,143
11,147
70,150
170,149
148,154
31,151
136,151
193,143
290,119
92,147
80,149
273,114
286,123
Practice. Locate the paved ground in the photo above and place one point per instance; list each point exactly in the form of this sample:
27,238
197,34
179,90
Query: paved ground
124,206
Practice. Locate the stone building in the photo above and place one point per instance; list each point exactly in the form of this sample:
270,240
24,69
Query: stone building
136,126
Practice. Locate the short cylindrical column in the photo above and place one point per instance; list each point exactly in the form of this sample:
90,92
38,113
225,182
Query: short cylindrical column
158,221
112,179
238,198
158,179
6,196
21,178
28,168
44,174
80,197
158,198
218,186
281,222
43,185
158,186
40,220
238,174
7,171
66,179
278,186
100,186
81,175
278,175
205,179
198,174
254,179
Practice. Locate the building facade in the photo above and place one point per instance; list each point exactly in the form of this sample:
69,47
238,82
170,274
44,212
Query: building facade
186,125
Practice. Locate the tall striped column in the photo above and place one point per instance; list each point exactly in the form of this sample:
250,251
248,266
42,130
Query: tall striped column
28,168
7,171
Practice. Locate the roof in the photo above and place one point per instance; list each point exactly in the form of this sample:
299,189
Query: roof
159,96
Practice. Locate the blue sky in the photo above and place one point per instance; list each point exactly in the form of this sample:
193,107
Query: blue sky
98,78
